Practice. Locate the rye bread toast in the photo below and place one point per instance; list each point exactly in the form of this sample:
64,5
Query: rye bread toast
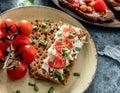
92,16
35,68
114,4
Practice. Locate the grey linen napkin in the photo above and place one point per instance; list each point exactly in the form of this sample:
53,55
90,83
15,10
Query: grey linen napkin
111,51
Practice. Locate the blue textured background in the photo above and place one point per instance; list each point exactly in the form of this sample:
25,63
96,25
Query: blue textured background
107,79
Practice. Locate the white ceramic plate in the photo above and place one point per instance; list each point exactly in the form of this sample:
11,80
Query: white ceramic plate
86,63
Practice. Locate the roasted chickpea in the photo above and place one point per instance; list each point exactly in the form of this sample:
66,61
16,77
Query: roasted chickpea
83,7
89,9
91,4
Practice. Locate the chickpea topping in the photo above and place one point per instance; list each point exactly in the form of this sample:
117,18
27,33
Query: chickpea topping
83,7
89,9
91,4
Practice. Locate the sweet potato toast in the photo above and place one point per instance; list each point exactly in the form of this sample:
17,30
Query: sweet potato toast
86,9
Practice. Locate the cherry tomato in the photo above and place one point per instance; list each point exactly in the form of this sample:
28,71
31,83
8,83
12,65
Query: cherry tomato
75,3
20,41
25,27
17,72
2,35
58,62
28,53
8,27
100,6
67,43
2,56
4,44
60,44
67,31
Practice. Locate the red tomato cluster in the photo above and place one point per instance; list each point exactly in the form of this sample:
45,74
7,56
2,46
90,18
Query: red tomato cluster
15,37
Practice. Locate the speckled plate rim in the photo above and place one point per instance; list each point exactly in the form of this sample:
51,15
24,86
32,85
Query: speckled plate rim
91,40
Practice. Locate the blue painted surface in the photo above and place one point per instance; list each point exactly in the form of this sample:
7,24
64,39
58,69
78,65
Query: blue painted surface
107,79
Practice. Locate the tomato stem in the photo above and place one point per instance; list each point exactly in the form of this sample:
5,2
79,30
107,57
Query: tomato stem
9,53
6,61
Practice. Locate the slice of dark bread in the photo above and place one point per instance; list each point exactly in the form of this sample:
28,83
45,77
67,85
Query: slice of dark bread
114,4
94,16
35,68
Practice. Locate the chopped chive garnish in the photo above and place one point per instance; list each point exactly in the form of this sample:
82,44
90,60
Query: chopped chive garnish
43,25
31,40
51,58
18,91
31,84
45,31
66,51
35,27
77,48
59,34
51,90
48,20
32,1
59,75
52,28
66,69
76,74
36,88
70,35
43,43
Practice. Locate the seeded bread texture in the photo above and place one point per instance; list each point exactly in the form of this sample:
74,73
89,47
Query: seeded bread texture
35,69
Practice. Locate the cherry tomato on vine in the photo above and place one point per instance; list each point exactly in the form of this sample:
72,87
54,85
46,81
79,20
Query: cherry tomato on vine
17,71
2,35
2,56
8,27
58,62
4,44
28,53
20,41
25,27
